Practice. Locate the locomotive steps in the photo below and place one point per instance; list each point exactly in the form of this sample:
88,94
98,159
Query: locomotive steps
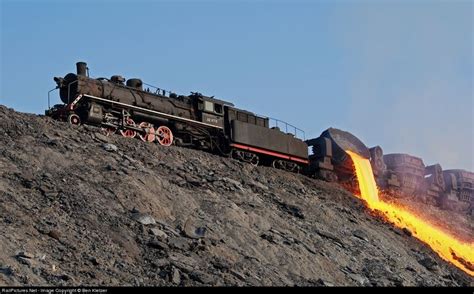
78,208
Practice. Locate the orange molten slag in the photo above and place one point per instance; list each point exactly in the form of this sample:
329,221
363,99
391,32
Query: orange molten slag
448,247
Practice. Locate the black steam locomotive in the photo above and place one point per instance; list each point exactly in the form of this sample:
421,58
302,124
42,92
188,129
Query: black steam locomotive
153,114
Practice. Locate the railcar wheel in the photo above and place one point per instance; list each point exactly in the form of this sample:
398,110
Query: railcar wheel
149,132
286,165
244,156
74,119
254,160
127,132
277,164
164,136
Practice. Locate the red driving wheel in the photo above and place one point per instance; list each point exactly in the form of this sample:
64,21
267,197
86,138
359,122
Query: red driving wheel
127,132
74,119
149,132
164,136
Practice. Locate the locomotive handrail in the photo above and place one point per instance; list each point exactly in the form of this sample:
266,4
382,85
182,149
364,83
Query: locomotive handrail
296,130
49,93
158,90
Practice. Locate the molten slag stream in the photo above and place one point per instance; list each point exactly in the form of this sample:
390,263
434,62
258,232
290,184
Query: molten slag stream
447,246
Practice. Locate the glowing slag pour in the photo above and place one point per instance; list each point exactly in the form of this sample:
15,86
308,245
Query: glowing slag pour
448,247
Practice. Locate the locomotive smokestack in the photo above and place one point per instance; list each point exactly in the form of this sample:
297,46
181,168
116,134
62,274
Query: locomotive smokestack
81,69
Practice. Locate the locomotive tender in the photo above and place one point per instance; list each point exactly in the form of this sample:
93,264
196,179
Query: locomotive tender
127,107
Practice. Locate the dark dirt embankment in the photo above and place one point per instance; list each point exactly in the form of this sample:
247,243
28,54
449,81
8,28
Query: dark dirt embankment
73,213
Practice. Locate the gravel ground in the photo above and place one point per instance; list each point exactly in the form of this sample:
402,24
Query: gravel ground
79,208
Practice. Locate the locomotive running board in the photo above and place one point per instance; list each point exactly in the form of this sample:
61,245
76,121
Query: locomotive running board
157,113
266,152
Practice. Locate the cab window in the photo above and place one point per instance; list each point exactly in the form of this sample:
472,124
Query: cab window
217,108
208,106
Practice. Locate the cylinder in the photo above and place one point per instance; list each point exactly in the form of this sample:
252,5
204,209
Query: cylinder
81,69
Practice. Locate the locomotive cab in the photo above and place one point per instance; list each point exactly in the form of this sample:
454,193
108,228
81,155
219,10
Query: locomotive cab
211,111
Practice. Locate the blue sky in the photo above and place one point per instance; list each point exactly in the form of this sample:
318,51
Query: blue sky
398,74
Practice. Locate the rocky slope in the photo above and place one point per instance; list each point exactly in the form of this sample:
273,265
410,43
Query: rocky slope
78,208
